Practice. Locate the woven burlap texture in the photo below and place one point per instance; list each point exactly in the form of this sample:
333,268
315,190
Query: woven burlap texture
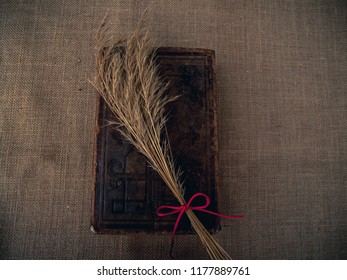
281,83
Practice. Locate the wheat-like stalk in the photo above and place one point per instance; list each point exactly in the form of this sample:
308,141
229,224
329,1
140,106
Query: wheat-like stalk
128,81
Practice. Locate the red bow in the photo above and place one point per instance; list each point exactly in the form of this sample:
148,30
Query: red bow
183,208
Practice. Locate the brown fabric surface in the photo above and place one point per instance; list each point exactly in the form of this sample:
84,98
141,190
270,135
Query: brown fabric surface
282,84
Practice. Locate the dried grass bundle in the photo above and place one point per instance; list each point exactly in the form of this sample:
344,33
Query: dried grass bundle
128,81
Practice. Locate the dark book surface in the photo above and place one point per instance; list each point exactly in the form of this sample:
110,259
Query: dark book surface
126,191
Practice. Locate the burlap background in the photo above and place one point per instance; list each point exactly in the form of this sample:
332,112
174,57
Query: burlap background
282,82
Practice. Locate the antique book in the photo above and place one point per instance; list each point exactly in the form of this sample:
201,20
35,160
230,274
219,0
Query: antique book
126,191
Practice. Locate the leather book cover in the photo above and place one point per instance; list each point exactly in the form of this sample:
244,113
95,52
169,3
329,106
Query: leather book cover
126,191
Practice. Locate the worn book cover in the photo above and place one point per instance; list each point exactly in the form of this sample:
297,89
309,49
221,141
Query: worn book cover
126,190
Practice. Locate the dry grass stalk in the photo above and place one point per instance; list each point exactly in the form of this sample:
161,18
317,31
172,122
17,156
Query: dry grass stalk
128,81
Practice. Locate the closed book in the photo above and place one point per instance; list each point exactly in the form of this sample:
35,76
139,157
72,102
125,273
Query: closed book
126,190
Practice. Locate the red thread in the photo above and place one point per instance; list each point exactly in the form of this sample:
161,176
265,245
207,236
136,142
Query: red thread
183,208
